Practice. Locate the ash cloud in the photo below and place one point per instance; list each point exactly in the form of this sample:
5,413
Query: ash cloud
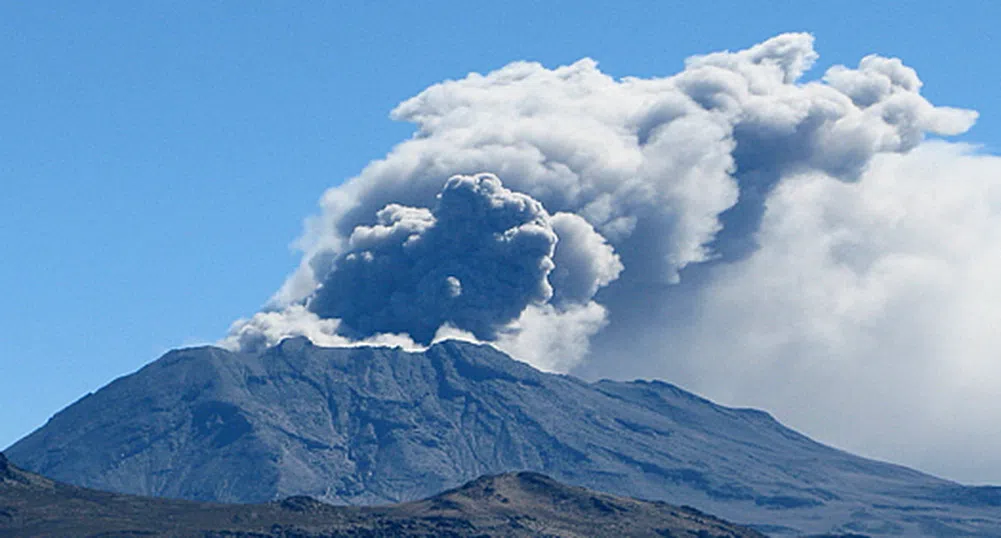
474,262
483,263
754,234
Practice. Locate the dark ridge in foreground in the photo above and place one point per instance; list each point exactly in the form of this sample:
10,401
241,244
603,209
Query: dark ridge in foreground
510,505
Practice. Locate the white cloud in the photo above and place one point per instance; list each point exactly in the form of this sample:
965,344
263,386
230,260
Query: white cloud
870,314
759,238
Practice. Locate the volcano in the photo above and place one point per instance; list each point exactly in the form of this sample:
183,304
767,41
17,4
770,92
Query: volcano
378,425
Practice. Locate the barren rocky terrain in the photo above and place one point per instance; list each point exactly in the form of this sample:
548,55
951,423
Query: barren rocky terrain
510,505
374,425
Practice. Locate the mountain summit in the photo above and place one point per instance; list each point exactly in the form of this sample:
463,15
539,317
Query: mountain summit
375,425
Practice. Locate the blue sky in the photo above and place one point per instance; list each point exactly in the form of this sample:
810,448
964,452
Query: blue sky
157,159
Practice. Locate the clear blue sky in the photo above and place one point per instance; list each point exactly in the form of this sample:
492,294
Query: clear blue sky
157,158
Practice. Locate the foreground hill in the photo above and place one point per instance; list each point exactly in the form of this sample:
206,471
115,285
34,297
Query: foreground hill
379,425
511,505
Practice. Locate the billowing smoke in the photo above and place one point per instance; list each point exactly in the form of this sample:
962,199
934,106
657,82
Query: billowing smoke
472,266
475,262
754,235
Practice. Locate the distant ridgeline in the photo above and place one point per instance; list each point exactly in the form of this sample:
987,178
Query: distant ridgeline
515,505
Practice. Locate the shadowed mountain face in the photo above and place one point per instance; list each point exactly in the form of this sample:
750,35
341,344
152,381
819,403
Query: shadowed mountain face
379,425
513,505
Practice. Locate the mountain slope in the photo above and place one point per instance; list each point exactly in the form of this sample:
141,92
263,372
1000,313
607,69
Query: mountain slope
378,425
513,505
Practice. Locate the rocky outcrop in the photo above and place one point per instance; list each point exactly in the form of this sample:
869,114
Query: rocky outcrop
519,505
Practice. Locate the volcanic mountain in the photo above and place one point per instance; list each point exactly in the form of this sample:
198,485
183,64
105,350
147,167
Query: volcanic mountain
375,425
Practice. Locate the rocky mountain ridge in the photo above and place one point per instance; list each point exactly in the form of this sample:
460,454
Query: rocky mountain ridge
512,505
